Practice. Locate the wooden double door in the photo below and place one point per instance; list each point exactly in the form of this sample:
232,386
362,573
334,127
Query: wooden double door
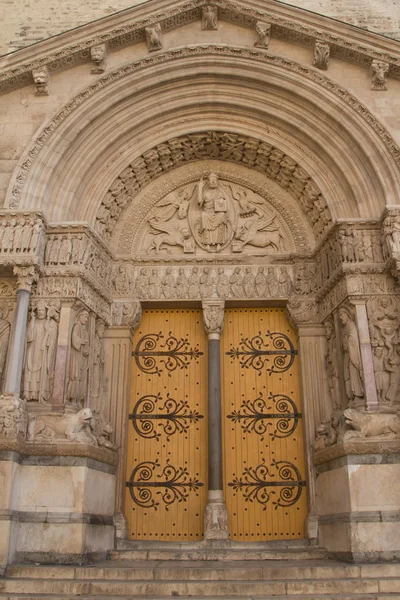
263,449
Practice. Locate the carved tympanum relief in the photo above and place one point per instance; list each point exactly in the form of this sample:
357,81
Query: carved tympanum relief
210,216
40,353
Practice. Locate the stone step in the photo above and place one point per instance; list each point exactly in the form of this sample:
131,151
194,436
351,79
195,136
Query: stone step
206,589
217,554
285,597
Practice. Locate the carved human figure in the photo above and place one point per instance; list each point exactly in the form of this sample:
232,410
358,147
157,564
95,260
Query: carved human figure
168,284
263,34
392,235
358,246
222,283
121,280
98,379
206,283
78,249
141,283
78,368
284,283
331,363
261,283
4,339
249,282
209,17
40,355
382,376
65,253
182,284
352,359
154,285
36,231
303,283
213,201
55,250
236,282
8,237
272,283
194,286
18,235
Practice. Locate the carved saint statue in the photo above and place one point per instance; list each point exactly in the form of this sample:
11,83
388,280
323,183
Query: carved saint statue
352,360
4,339
331,363
214,222
41,344
98,383
78,368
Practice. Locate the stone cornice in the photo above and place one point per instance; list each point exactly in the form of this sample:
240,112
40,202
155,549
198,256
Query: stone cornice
128,27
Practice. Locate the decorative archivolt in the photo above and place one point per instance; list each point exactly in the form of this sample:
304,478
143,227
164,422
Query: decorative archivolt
25,172
226,146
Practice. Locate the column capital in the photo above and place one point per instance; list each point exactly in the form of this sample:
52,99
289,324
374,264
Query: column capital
26,276
303,311
213,317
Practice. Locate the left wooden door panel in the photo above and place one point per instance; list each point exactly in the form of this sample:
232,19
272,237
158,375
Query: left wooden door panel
166,478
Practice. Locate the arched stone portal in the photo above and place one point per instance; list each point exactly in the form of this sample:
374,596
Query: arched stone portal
198,174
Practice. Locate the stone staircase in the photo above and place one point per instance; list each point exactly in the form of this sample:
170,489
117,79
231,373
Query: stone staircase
314,579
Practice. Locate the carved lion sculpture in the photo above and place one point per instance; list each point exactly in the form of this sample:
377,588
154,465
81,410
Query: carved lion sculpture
72,427
368,425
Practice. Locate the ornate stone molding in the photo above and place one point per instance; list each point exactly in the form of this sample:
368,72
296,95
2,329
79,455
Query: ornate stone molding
285,28
259,56
356,447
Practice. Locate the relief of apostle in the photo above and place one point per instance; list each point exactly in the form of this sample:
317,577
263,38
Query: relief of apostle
41,344
352,360
79,360
4,339
213,201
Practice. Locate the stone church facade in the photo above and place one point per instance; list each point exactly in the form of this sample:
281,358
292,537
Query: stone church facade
200,195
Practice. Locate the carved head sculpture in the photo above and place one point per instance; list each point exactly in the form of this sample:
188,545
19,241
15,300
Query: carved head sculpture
213,180
85,416
185,233
260,270
83,317
329,329
98,53
237,270
248,270
195,270
100,328
344,315
271,271
41,310
220,270
40,80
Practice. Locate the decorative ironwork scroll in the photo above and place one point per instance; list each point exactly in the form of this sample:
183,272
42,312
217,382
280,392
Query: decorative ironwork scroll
176,418
261,349
256,482
174,486
254,416
173,353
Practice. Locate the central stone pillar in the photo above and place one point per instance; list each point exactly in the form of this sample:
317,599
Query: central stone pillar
25,277
216,516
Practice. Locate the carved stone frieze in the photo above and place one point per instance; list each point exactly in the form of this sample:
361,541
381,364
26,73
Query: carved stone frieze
13,418
379,72
322,53
98,54
217,146
196,283
343,47
21,238
284,63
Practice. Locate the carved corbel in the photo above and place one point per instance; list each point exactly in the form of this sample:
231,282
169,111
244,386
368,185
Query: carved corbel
322,53
154,37
26,276
379,71
41,79
209,17
98,54
263,34
213,317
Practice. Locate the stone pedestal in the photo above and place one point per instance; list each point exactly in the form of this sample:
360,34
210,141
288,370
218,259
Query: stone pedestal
358,500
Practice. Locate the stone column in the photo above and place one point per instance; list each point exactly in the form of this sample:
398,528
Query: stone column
216,516
25,278
370,393
118,357
303,314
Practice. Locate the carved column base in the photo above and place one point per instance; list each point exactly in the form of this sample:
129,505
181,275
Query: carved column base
216,517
